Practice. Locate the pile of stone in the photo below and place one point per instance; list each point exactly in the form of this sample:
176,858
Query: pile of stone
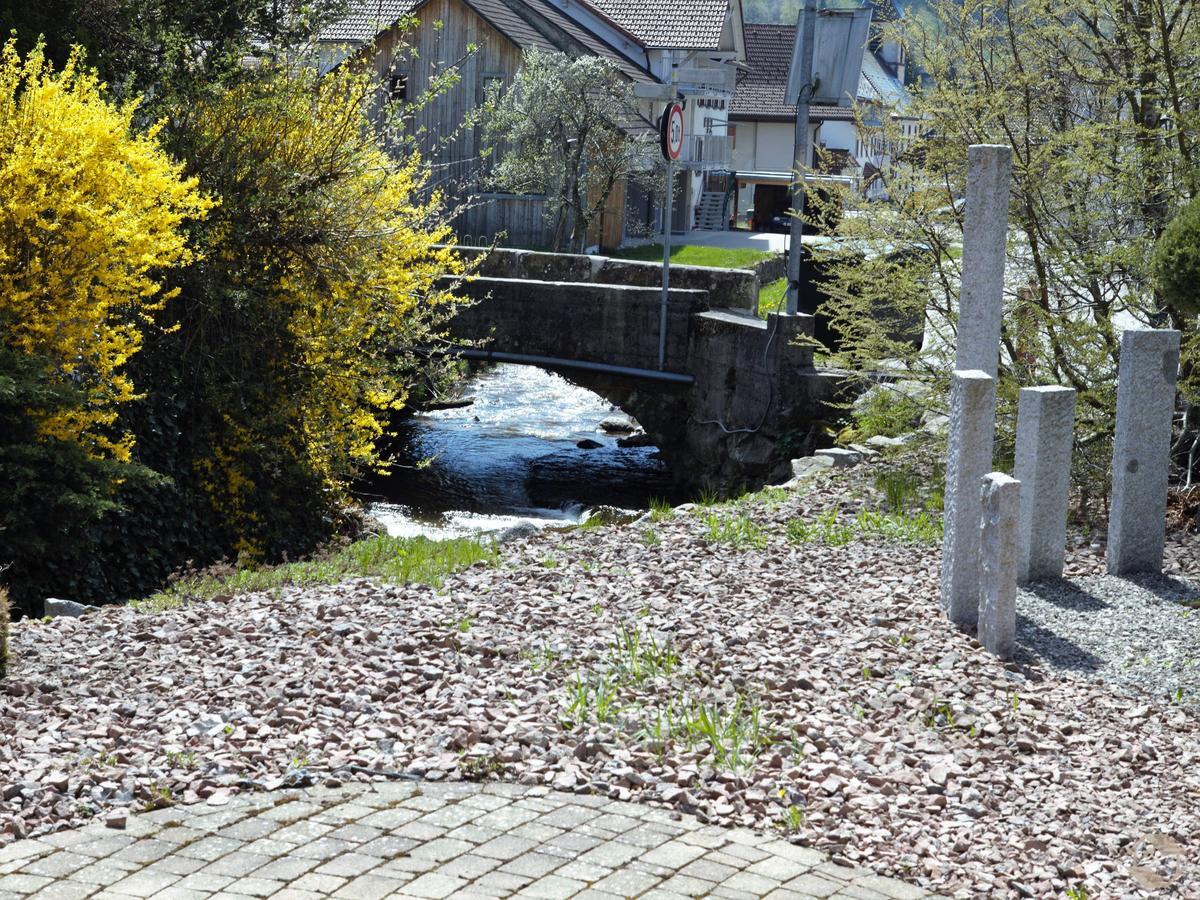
1000,529
885,736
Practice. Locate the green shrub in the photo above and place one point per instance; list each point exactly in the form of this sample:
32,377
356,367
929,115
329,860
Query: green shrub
1176,261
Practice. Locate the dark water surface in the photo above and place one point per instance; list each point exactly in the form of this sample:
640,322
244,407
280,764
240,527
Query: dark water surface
509,458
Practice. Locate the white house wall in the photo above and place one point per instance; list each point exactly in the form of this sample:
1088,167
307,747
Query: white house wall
774,144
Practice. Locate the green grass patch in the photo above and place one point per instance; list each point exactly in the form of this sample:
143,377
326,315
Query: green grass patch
388,558
696,255
921,527
771,297
661,510
742,532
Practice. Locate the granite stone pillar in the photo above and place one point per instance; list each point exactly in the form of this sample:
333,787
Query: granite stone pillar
968,459
1000,501
985,236
1141,450
1045,432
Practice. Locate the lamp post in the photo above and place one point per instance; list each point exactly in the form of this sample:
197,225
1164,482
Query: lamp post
826,63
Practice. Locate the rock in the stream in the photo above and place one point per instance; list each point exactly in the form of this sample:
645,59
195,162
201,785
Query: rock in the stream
609,515
618,425
640,439
589,444
516,533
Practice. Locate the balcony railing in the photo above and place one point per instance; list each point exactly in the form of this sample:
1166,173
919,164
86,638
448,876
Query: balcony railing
706,151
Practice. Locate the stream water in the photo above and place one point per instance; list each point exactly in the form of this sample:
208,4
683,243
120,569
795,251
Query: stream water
510,458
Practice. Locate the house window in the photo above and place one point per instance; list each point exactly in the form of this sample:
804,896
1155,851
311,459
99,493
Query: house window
732,131
489,83
397,85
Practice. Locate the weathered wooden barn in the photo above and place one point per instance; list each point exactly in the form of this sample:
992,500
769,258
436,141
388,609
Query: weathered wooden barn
413,43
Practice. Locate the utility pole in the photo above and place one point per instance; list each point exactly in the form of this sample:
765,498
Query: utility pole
670,137
808,26
666,276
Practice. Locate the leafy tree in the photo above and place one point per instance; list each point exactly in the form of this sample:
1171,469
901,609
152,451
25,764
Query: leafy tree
165,48
1177,262
569,128
1094,98
297,333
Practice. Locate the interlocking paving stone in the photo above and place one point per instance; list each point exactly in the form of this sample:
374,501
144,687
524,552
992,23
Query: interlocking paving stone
369,842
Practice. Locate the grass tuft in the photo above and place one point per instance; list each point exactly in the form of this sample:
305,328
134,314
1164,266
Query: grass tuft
742,532
905,527
388,558
661,510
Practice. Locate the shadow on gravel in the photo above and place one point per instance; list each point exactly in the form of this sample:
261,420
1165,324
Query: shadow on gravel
1165,587
1065,595
1035,642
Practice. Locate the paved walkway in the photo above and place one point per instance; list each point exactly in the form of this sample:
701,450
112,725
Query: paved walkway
404,839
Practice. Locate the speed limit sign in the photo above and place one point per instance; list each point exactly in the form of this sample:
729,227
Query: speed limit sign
670,132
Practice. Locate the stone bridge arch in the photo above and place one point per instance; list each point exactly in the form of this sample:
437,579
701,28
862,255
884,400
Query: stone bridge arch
733,385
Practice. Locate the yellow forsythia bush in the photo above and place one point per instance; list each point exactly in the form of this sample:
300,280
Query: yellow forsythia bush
90,215
320,280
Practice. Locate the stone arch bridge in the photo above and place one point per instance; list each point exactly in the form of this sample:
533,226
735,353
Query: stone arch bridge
732,387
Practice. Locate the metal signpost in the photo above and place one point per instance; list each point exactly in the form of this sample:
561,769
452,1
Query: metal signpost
670,134
836,38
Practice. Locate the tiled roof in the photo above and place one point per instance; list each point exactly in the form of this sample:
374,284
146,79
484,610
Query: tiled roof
876,82
688,24
761,88
586,39
368,18
527,23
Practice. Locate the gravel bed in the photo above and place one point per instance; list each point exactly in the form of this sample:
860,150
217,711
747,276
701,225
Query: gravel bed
847,712
1141,633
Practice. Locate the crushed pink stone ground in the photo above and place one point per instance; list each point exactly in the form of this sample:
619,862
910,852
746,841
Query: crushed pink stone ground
871,729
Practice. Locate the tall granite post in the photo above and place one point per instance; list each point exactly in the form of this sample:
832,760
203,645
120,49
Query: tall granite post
985,235
1141,450
968,459
1045,430
1000,500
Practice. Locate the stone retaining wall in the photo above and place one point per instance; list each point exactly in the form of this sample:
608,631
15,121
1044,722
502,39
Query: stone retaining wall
728,288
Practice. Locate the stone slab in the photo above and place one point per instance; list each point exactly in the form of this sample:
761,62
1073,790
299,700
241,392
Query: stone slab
1000,499
1141,450
532,866
968,459
1045,436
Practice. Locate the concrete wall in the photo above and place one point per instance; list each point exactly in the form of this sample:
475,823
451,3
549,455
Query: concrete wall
774,146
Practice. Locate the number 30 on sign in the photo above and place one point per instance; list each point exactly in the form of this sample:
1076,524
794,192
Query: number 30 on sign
670,132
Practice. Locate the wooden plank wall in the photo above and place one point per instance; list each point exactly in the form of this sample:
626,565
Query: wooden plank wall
520,219
442,38
445,31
